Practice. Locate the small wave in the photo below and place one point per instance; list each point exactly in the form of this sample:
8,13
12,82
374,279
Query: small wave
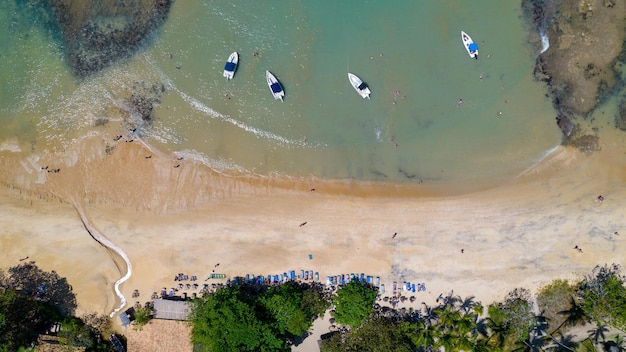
545,42
218,165
199,106
540,159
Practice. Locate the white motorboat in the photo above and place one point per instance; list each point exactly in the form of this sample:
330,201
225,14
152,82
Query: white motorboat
275,86
470,46
231,65
359,86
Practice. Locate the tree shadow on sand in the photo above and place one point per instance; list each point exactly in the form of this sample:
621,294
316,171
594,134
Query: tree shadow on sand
47,287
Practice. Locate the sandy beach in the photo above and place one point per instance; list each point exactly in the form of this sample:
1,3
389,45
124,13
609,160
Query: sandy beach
187,219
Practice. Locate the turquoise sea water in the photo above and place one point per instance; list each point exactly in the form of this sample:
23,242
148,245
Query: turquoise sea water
323,128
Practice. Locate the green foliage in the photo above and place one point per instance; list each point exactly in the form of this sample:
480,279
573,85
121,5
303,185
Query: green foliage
31,301
603,298
75,333
21,320
100,325
314,301
554,301
511,321
252,318
376,334
142,317
284,304
354,303
228,321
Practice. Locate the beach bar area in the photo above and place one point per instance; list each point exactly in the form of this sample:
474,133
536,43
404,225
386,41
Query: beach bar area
171,309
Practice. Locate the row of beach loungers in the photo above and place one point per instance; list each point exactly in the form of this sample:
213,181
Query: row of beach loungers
183,277
304,275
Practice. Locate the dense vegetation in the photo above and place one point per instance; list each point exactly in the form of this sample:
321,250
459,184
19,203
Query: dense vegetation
353,303
258,318
255,317
32,301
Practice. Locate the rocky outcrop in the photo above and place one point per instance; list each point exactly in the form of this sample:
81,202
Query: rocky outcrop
587,37
97,33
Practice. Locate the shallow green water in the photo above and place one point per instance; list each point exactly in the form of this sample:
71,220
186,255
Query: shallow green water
323,128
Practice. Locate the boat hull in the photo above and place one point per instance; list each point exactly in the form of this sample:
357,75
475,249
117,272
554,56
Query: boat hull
467,43
358,85
275,87
231,65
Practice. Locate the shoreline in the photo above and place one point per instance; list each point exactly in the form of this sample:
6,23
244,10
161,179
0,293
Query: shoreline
517,234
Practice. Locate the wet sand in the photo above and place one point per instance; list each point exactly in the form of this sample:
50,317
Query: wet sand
187,219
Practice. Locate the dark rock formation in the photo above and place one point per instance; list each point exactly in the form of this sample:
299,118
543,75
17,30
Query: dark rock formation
620,119
586,38
97,33
140,106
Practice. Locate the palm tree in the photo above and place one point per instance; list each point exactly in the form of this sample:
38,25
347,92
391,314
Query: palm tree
597,333
617,342
533,343
565,343
575,315
430,315
427,336
497,327
467,304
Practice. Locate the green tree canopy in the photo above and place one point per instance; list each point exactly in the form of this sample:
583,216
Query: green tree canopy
253,318
284,304
603,298
376,334
20,320
75,333
354,303
227,321
555,301
510,321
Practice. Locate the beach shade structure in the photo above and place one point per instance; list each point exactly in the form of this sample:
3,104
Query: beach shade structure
395,287
286,276
310,256
125,319
329,281
343,280
362,277
382,288
377,281
301,274
408,286
292,274
368,279
275,278
317,276
413,288
306,275
311,274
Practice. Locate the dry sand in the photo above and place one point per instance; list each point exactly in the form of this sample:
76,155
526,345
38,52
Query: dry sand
187,219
